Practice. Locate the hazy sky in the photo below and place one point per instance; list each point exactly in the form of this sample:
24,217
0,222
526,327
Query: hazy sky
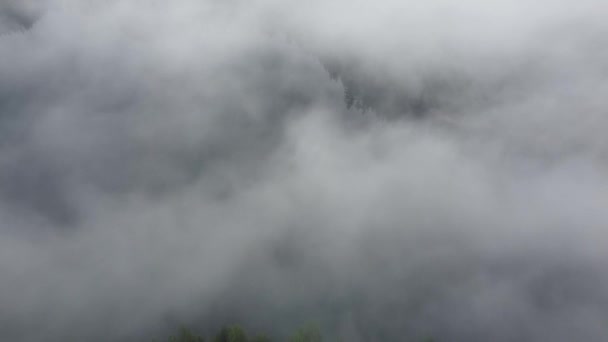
195,162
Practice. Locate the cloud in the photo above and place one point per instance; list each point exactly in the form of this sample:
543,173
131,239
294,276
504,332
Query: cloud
196,162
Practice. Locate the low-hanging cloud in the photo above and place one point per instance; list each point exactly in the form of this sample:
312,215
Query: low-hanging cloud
392,170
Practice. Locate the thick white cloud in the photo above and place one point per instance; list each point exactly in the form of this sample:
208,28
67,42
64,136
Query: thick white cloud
195,162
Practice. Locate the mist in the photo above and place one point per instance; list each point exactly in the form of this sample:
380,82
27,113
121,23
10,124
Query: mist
391,170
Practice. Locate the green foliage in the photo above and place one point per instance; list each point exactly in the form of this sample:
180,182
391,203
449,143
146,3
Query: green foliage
260,338
186,335
308,333
234,333
231,334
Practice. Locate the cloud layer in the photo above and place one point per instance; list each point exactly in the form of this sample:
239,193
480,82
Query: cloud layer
391,170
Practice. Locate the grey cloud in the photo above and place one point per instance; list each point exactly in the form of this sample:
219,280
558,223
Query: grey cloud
18,15
196,163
